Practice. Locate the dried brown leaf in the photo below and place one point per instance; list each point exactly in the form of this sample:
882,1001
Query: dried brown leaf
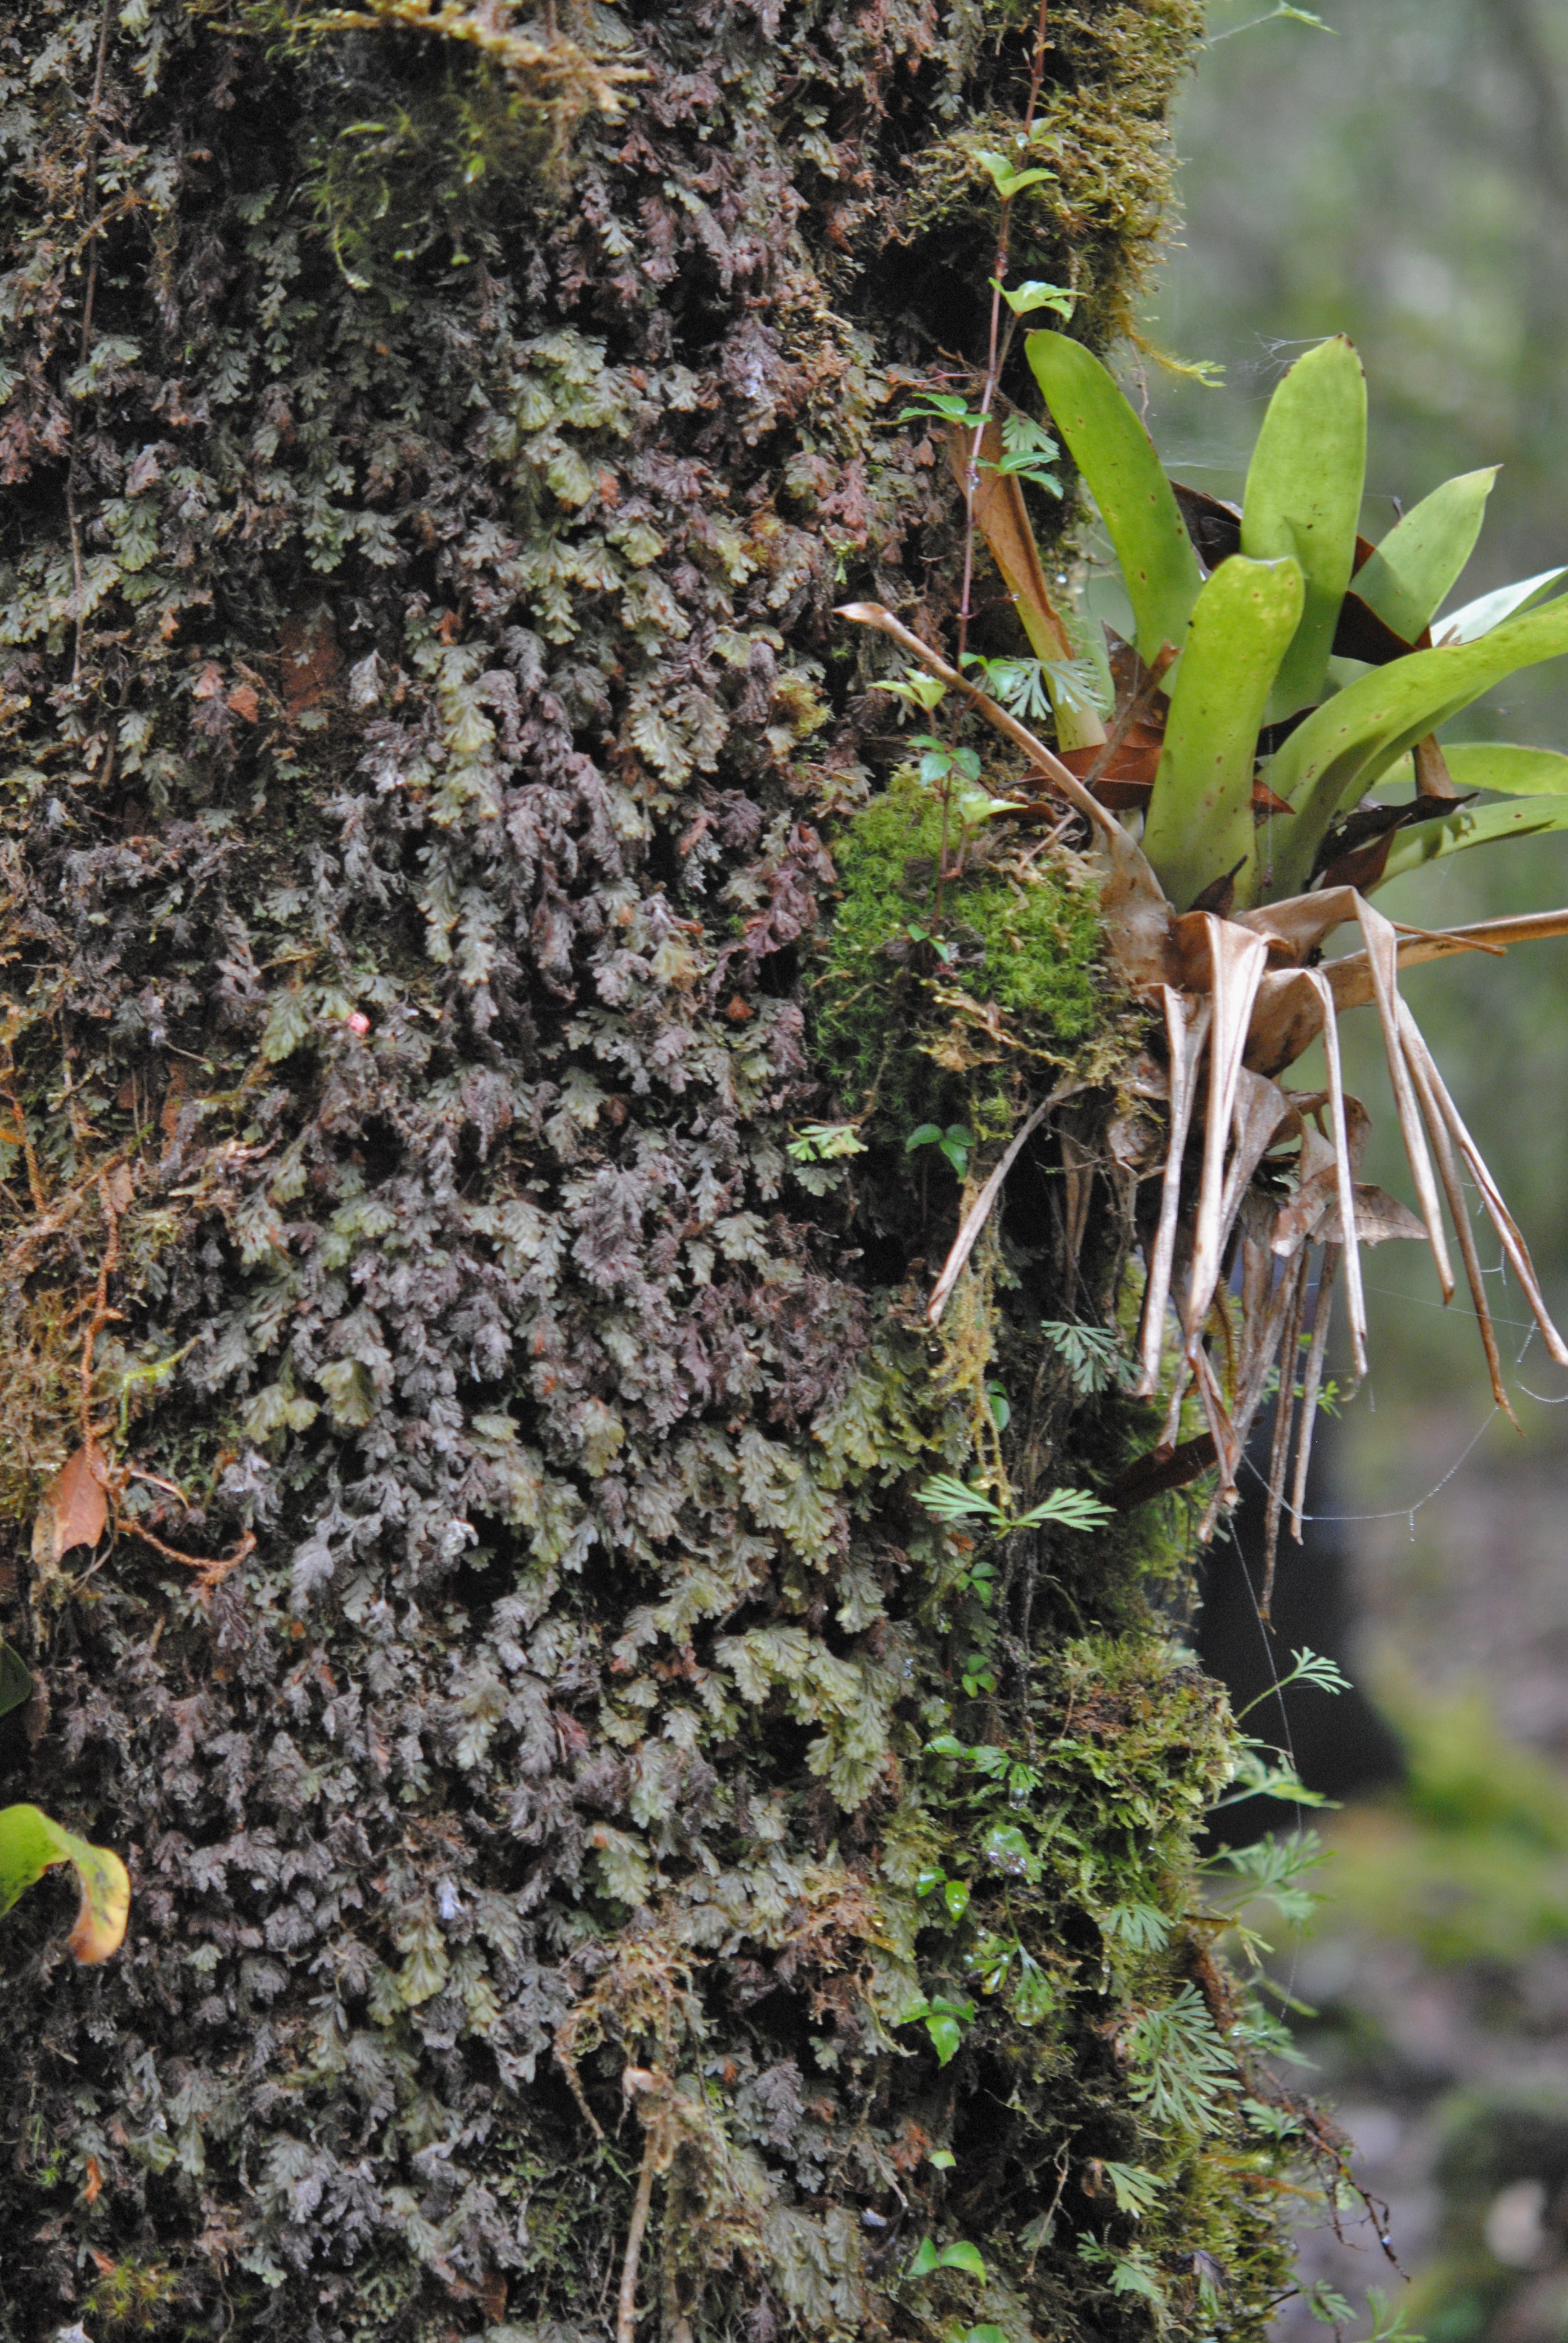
1237,960
1514,1244
1186,1040
76,1509
1383,957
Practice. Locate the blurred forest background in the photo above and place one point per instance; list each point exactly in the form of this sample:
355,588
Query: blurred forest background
1402,176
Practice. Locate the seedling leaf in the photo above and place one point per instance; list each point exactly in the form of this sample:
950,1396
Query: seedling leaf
1069,1508
1024,299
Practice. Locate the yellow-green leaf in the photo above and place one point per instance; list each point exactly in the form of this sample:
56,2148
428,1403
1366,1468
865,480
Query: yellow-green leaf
30,1845
1416,566
1114,453
1303,500
1345,747
1512,771
1428,841
1199,819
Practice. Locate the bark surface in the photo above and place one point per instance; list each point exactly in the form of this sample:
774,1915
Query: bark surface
450,850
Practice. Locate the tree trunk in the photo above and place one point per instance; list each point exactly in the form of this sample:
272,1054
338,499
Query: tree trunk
513,1661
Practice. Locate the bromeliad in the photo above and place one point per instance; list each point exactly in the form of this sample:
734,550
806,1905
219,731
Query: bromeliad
1282,669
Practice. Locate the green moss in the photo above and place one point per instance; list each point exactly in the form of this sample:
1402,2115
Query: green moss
913,993
1101,131
129,2296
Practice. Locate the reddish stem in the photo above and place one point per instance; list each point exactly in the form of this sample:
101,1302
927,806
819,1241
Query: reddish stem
1000,341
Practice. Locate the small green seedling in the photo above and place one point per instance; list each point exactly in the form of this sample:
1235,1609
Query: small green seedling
955,1143
1034,293
959,2255
951,1500
825,1142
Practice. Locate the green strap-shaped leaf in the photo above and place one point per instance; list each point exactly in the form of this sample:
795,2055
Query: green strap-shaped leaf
1488,610
1427,841
30,1845
1415,566
1200,821
1513,771
1114,453
1346,746
1303,499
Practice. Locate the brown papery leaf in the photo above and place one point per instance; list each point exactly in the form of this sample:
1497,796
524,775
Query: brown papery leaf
1383,959
1213,523
1361,634
1458,1211
1432,777
76,1509
1378,1216
1503,1221
999,511
1314,1379
1186,1044
1237,960
1347,1156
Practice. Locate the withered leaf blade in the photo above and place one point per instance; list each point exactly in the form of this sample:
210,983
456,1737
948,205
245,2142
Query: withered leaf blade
1352,975
1382,958
1237,959
1361,634
76,1509
1121,776
1503,1221
1212,523
1287,1017
1262,1109
978,1212
1297,926
1347,1156
1378,1217
1458,1213
1285,1414
1003,521
1312,1383
1355,852
1186,1044
1432,777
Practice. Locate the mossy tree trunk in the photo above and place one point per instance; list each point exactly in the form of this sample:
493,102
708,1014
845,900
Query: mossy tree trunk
427,746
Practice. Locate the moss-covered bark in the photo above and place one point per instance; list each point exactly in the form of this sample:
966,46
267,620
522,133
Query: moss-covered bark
427,745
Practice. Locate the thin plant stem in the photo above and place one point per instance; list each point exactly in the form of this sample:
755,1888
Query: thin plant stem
1001,339
90,190
998,342
626,2308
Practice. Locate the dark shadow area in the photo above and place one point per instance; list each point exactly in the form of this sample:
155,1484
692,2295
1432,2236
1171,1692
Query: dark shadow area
1342,1746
